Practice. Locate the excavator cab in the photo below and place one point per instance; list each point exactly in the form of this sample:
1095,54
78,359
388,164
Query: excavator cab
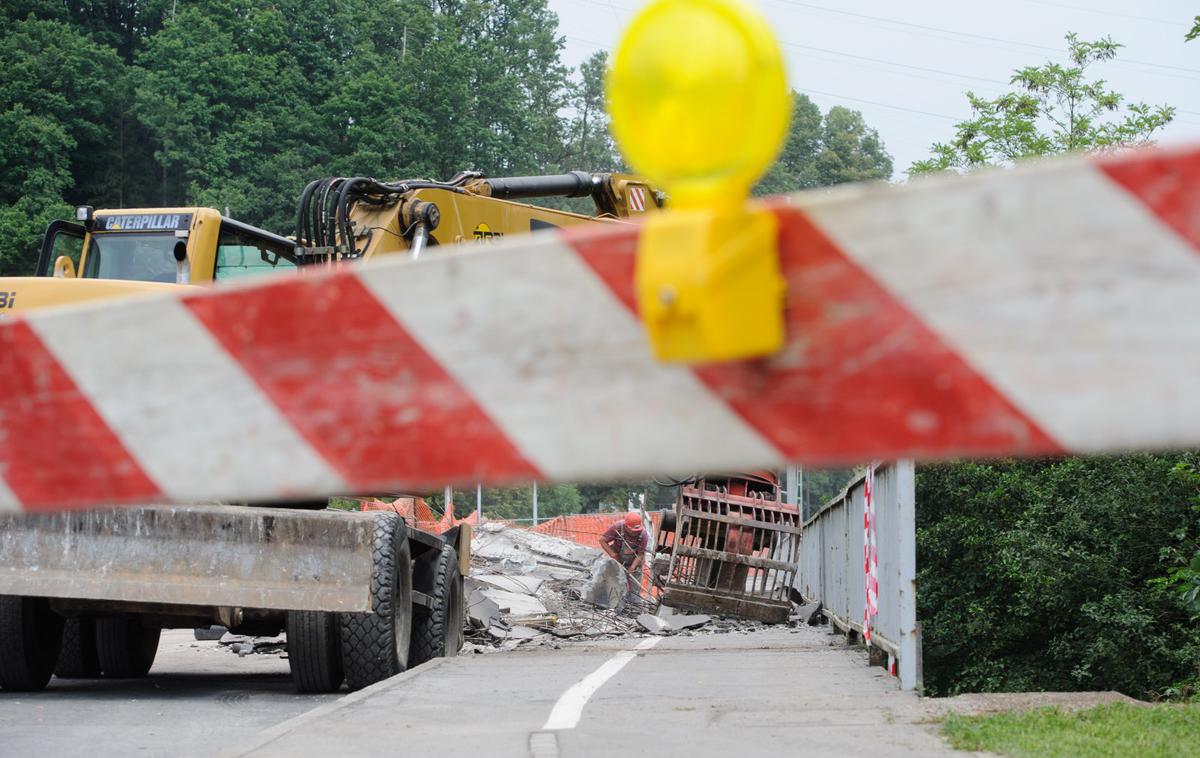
165,245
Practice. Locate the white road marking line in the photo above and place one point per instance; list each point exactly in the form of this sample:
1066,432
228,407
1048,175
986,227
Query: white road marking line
570,704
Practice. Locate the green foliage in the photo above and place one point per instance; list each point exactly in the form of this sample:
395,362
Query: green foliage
1194,32
822,151
1115,731
514,502
1036,575
590,142
58,115
1183,556
557,499
1053,109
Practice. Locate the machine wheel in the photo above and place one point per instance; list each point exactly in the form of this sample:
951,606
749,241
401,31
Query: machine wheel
438,633
30,638
78,658
375,645
314,653
126,648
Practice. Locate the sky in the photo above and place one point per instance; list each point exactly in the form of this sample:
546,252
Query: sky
906,65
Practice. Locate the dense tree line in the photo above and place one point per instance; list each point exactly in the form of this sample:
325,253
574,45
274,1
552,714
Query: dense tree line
1048,575
239,103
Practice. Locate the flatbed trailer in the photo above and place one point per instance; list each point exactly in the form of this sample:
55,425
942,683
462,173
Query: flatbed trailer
361,596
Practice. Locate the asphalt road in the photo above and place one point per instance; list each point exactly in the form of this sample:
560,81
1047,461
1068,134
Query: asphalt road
199,699
771,693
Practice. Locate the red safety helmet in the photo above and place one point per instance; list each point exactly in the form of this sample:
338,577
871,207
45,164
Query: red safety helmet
633,520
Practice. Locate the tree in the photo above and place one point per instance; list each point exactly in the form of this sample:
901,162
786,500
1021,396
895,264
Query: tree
1054,109
233,109
822,151
1195,31
60,93
590,144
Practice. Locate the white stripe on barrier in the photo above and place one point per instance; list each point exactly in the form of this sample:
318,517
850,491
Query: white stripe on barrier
190,415
587,389
1078,331
8,501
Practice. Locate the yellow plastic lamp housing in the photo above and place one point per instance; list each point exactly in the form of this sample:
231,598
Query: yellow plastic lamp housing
700,104
699,99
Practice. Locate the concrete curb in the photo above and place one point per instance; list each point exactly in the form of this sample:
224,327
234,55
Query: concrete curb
270,734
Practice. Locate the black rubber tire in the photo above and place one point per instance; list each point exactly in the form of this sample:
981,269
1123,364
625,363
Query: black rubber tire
438,633
30,638
314,651
125,647
375,645
78,658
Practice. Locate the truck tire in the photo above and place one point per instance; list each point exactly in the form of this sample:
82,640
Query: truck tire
78,658
30,638
438,632
126,649
375,645
314,652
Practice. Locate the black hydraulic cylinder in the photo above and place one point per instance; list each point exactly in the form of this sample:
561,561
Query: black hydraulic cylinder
574,184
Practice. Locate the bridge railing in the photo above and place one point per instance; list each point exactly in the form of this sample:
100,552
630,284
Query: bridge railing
835,570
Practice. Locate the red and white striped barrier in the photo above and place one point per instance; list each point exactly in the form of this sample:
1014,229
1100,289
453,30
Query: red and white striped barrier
1051,308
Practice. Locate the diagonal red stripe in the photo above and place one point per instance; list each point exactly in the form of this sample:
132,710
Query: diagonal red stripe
1167,182
859,376
357,386
55,450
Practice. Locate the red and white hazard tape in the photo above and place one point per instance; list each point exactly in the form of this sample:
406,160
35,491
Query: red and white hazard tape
1051,308
870,556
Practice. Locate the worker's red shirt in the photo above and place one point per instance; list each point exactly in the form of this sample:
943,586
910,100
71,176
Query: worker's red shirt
626,543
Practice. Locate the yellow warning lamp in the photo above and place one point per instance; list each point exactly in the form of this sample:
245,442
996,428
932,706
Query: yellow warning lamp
700,104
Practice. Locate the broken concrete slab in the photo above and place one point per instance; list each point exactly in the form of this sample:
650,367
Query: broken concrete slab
515,633
678,621
607,586
482,611
806,614
514,603
528,585
653,624
511,544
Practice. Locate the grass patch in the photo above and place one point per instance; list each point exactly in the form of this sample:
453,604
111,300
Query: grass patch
1117,729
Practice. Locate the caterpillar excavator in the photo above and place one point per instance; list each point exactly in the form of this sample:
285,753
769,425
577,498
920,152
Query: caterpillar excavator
110,253
376,595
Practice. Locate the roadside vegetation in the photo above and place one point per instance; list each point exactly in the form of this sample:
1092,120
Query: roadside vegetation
1058,574
1117,730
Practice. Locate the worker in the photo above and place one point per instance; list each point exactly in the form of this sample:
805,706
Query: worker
625,542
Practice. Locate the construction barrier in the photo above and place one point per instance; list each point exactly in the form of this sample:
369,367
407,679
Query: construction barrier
1050,308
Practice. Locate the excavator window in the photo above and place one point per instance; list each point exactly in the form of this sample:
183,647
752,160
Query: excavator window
133,257
241,252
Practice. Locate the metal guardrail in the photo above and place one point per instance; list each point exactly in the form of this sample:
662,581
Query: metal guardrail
832,569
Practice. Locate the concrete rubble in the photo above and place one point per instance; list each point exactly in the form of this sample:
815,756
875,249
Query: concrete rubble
528,588
243,645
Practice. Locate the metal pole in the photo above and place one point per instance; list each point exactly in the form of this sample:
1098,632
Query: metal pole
792,483
535,503
449,498
909,663
479,503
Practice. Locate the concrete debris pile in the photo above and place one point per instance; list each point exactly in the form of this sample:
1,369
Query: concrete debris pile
528,588
531,588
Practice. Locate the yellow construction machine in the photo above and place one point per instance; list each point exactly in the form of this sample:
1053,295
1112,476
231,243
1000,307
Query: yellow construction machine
111,253
236,565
